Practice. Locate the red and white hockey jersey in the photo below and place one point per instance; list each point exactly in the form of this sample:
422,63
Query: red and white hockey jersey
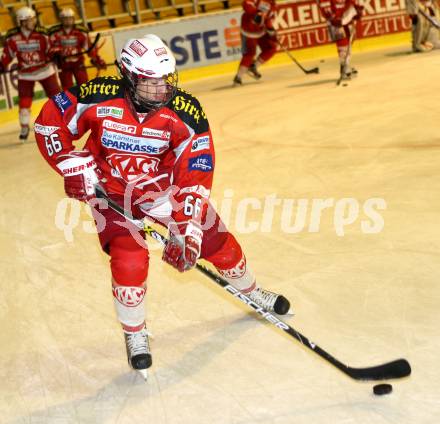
171,147
266,9
31,52
340,12
70,43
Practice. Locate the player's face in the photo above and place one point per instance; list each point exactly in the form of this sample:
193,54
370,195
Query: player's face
153,89
28,24
68,21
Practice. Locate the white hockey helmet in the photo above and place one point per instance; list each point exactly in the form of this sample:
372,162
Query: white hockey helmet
148,58
25,13
67,12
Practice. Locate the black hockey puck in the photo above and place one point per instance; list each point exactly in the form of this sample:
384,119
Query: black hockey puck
344,85
382,389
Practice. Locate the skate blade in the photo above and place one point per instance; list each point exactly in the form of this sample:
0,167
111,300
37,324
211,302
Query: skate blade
253,76
290,313
143,373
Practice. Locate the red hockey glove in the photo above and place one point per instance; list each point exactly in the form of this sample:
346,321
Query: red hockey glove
359,11
55,55
336,22
414,19
80,174
184,245
99,63
258,18
271,33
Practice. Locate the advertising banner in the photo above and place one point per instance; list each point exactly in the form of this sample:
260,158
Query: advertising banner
203,40
210,39
196,41
300,24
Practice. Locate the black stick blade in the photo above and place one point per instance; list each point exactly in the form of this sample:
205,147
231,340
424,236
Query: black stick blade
396,369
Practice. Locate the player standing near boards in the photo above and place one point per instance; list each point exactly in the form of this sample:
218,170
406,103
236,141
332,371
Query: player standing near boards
68,40
341,16
257,30
425,20
151,149
29,43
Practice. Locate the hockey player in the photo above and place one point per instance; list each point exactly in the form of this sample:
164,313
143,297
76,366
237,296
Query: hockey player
257,30
341,16
29,43
151,148
425,17
69,39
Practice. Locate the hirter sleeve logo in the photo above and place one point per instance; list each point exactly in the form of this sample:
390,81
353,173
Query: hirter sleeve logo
189,110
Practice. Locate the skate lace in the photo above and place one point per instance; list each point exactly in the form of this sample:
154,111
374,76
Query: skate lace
138,342
264,298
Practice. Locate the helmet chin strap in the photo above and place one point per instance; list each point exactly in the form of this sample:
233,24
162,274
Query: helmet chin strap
143,108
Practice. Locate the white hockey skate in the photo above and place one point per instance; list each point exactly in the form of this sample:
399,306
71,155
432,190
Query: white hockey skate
24,133
138,351
270,301
347,73
253,72
237,81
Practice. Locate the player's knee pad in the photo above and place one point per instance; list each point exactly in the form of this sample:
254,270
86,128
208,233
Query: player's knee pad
267,55
239,275
343,42
81,76
25,102
225,251
231,264
128,261
51,86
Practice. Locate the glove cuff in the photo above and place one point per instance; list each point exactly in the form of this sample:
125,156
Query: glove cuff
75,165
180,230
193,230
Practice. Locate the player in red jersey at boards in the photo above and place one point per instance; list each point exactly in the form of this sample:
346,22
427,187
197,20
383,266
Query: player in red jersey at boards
257,30
68,40
341,16
29,43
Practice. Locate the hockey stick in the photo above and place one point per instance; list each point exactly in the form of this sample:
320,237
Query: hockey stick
352,34
396,369
94,67
430,19
87,51
306,71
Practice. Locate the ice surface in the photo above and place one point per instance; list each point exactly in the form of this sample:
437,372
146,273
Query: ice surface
366,298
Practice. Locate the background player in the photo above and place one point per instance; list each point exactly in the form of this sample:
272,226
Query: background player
29,43
425,36
341,16
69,39
257,30
151,147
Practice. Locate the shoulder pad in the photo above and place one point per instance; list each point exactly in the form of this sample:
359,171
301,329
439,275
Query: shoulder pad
41,30
54,28
99,90
81,28
189,110
13,31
